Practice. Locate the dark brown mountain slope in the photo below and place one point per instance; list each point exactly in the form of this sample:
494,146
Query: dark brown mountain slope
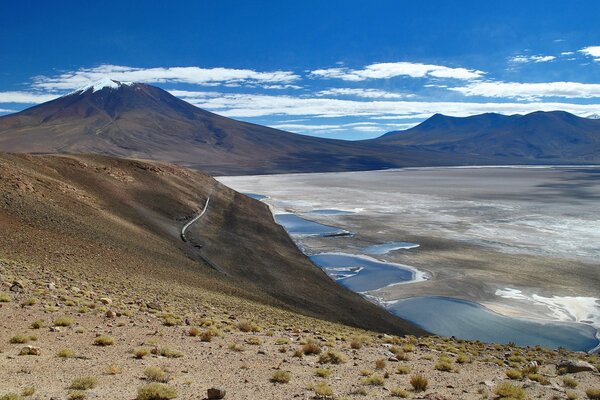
120,220
143,121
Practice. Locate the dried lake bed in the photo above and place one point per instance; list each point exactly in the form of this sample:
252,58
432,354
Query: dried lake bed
522,241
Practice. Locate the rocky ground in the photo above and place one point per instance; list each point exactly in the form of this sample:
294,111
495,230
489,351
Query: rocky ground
62,337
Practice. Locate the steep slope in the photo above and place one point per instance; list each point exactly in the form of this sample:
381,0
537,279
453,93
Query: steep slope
120,220
143,121
539,137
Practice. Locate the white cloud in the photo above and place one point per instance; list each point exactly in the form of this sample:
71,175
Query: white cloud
592,51
6,110
192,75
364,127
567,53
535,59
25,97
390,70
364,93
530,91
253,105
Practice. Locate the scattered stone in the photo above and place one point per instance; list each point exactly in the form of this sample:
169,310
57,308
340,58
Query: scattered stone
574,366
154,306
215,393
16,286
105,300
30,351
54,329
110,314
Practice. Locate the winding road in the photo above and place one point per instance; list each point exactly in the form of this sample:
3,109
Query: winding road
196,218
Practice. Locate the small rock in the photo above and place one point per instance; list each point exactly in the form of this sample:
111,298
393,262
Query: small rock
16,286
154,306
215,393
110,314
54,329
105,300
30,351
574,366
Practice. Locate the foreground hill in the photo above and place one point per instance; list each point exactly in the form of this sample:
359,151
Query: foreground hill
120,220
101,299
143,121
541,137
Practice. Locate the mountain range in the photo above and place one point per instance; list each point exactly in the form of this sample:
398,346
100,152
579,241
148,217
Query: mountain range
143,121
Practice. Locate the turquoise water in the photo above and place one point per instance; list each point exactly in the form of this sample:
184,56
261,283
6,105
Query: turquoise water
299,226
378,249
361,274
464,319
256,196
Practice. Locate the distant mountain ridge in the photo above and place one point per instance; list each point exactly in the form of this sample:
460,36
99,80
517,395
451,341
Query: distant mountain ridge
143,121
136,120
553,137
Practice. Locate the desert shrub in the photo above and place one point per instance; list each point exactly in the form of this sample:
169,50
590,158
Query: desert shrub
571,395
37,324
113,369
380,364
247,326
29,302
236,347
65,353
418,382
11,396
311,347
84,383
5,298
462,358
156,374
514,374
282,341
64,321
323,372
399,392
280,376
104,340
253,340
156,391
444,363
194,332
332,357
593,394
76,395
167,352
570,382
403,369
373,380
541,379
170,320
28,391
140,352
322,390
508,391
19,339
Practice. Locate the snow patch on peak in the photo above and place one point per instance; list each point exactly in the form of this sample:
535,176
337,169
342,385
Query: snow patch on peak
102,84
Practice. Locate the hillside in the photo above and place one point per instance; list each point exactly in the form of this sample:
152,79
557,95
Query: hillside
100,298
119,220
541,137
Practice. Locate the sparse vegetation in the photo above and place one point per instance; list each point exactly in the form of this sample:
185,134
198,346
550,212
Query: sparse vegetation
104,340
570,382
399,392
322,390
140,352
156,391
157,374
65,353
64,321
247,326
418,382
37,324
373,380
323,372
311,347
84,383
280,376
593,394
514,374
508,391
380,363
5,297
332,357
403,369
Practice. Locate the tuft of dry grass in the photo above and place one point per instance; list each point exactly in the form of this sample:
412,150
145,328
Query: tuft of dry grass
322,390
280,376
399,392
5,297
65,353
508,391
156,391
311,347
64,321
323,372
104,340
593,394
419,383
84,383
156,374
140,352
373,380
332,357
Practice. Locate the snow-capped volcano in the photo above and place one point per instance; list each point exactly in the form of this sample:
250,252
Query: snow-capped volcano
104,83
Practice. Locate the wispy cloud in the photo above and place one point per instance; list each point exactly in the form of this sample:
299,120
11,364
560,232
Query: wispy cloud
191,75
592,51
253,105
25,97
364,93
391,70
521,59
530,91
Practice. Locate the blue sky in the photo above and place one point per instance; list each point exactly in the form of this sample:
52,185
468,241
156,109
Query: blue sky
340,69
